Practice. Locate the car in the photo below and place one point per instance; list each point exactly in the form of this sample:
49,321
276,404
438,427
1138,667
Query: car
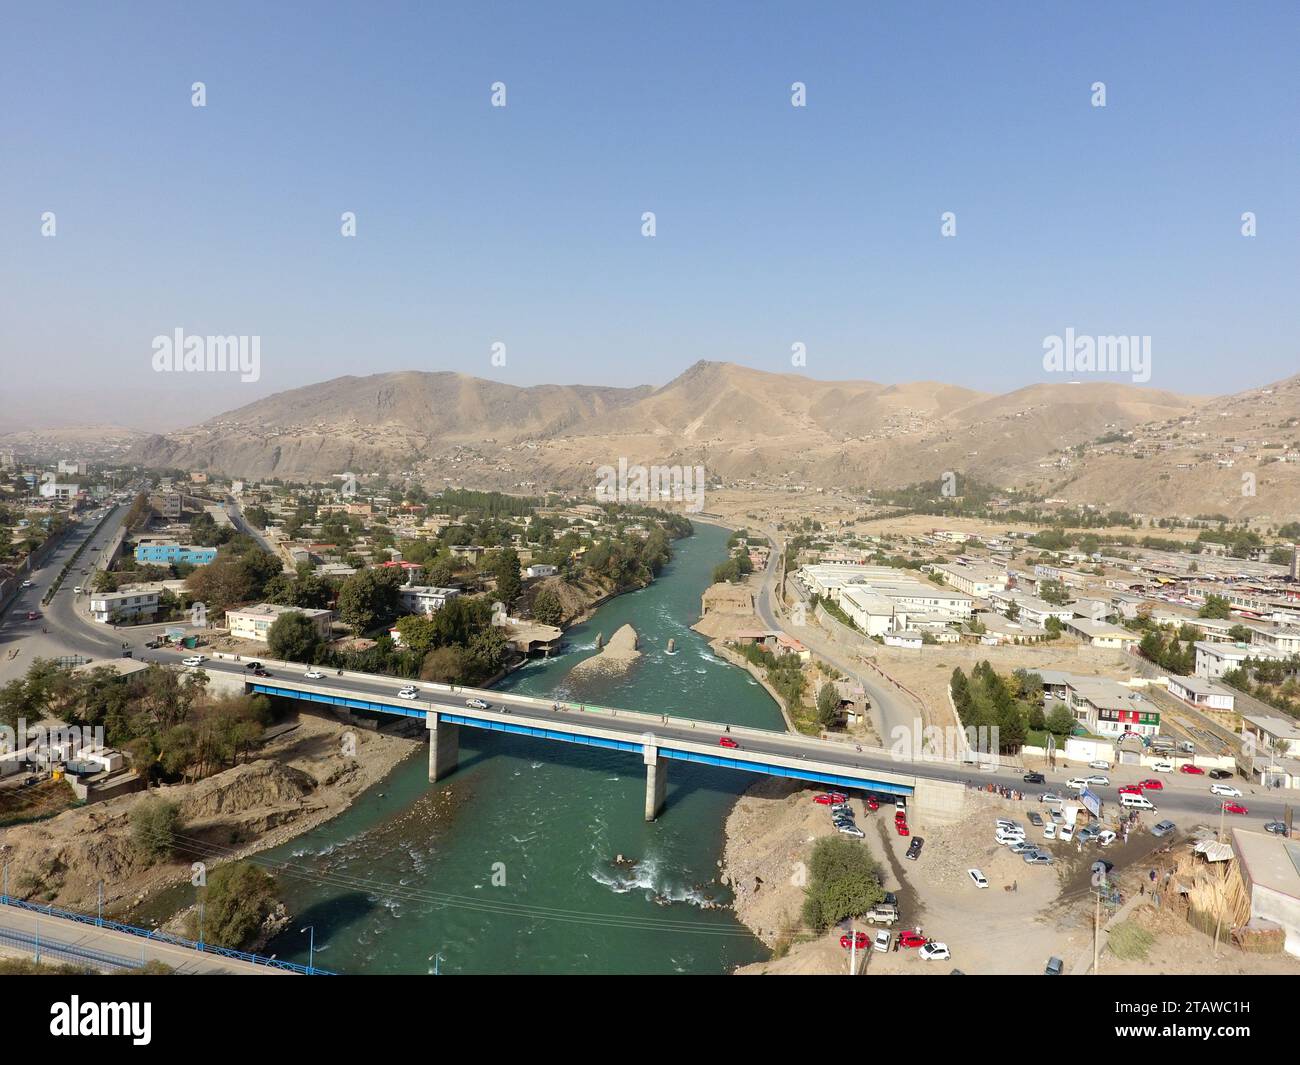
1278,828
838,822
1058,819
1130,789
1163,767
1055,967
1034,778
1087,834
1065,833
1163,828
478,704
1235,808
728,742
27,584
883,941
881,913
1007,838
253,665
1106,837
1036,858
1098,782
860,940
260,672
900,815
1077,782
1225,789
1219,774
409,692
1022,846
830,798
872,804
911,940
1049,830
914,849
1035,818
1187,767
901,828
1100,763
977,878
842,808
851,830
193,660
1151,785
314,674
1187,747
1051,796
1006,822
32,615
934,952
76,590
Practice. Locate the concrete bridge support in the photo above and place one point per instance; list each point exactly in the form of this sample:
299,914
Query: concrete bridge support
444,746
656,782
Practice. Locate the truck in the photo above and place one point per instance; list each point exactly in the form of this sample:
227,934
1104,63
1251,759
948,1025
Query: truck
881,913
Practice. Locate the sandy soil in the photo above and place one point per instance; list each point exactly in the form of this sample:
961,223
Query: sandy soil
304,776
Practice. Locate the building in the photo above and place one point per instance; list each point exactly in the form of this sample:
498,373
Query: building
540,570
1276,735
1202,693
126,605
1101,634
1216,659
1270,873
168,504
1028,608
167,553
425,598
73,467
57,490
1107,708
977,580
254,622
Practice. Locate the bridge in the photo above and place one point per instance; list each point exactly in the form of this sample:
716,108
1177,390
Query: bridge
658,739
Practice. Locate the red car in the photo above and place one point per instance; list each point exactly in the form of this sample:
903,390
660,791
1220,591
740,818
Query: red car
1187,767
903,830
900,815
1152,784
32,615
830,798
1130,789
727,741
872,804
859,940
1234,808
911,940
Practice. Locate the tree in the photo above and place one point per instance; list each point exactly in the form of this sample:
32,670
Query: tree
293,638
828,705
237,901
369,598
1216,606
154,824
504,566
844,881
418,632
1060,721
547,607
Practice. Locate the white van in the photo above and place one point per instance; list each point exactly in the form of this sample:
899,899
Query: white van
1139,801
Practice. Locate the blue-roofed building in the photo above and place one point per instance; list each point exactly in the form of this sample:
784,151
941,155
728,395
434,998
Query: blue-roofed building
168,553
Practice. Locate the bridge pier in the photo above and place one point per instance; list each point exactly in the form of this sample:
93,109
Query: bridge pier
656,782
444,746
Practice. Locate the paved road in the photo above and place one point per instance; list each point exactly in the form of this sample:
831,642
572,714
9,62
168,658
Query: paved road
109,948
892,710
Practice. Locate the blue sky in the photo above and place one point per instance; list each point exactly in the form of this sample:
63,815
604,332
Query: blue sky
522,224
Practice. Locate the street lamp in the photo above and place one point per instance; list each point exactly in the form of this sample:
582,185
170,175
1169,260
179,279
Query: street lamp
311,946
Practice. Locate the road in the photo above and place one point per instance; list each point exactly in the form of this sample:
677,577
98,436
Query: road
894,713
107,949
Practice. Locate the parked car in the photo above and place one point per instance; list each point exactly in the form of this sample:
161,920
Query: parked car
1051,796
1036,858
1049,830
883,941
830,798
1087,834
1098,782
854,831
1151,784
1235,808
858,939
1106,837
1007,823
478,704
1162,828
1130,789
1077,782
873,804
1278,828
728,742
1055,967
1100,763
1021,847
1005,838
1035,818
27,584
1219,774
911,940
914,848
881,913
934,952
1065,833
1225,789
1034,778
901,828
977,878
1187,767
1163,767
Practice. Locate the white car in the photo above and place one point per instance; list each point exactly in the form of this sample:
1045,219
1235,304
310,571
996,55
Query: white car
977,878
1163,767
935,952
1006,838
850,830
1225,789
193,660
1106,837
1065,833
409,692
1099,764
478,704
1079,783
76,590
27,584
1009,826
314,674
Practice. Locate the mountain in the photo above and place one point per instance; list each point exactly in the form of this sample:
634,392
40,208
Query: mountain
1072,440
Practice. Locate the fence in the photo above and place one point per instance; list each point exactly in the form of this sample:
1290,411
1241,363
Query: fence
156,936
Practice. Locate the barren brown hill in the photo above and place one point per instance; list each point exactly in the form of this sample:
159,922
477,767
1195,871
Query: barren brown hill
1078,441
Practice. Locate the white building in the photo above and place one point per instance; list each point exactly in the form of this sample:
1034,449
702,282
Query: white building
1216,659
425,598
1101,633
1202,692
976,580
254,622
59,491
541,570
126,605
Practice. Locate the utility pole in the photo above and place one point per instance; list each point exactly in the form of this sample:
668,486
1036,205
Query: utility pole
853,948
436,959
1096,932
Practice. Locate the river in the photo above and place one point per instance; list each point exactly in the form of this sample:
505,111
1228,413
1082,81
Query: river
509,864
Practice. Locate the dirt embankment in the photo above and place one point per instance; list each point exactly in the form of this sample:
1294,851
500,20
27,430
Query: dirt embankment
304,776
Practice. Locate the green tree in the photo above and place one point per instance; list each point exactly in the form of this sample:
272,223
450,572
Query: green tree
154,824
1060,721
504,566
843,881
828,705
237,901
1216,606
293,638
547,608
